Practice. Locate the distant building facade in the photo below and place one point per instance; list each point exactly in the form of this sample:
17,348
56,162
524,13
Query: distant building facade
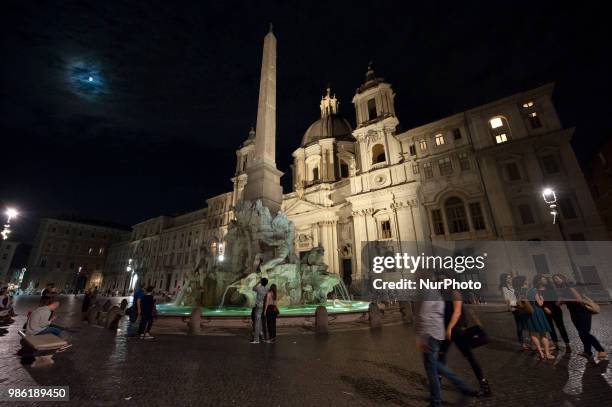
599,177
70,254
13,261
161,251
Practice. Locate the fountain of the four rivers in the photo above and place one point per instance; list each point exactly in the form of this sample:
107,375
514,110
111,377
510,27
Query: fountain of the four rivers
260,241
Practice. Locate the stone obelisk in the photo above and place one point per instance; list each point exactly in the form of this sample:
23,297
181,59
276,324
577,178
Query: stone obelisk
263,178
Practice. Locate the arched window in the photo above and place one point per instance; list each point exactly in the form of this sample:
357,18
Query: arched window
499,129
456,216
378,154
344,169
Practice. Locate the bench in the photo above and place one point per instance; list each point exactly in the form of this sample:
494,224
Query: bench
44,346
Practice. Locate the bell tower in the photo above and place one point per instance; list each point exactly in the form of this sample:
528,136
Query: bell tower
376,123
374,100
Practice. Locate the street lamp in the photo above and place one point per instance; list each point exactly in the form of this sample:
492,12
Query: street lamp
10,214
550,198
221,256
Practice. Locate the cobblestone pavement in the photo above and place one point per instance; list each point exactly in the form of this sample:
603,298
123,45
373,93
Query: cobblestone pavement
344,368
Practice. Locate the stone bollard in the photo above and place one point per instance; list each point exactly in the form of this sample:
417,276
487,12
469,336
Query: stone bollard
194,322
92,315
321,320
375,316
406,310
113,317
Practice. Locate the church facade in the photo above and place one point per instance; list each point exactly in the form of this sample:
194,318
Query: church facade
478,174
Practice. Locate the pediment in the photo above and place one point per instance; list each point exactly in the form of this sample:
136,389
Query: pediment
301,206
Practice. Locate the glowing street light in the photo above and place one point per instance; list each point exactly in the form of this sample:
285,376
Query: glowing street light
550,198
221,256
10,214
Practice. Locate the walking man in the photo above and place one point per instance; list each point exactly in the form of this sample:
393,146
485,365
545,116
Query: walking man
430,333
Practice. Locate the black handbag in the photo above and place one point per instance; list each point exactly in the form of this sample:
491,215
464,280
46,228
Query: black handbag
475,336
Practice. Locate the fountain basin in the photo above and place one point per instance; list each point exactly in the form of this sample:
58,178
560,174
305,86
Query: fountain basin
172,310
293,315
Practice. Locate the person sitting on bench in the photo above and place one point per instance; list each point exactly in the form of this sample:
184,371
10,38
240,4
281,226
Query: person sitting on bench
39,322
6,304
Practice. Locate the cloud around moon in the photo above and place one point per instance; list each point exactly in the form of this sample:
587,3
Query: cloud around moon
86,78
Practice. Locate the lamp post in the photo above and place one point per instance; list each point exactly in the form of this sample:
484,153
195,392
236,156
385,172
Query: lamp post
130,270
10,214
550,198
221,253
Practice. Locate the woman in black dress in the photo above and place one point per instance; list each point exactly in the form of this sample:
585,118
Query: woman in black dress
554,314
581,317
270,314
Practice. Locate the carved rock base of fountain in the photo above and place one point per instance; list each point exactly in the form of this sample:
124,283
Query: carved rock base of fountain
296,284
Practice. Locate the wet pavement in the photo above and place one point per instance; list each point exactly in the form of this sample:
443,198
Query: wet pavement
344,368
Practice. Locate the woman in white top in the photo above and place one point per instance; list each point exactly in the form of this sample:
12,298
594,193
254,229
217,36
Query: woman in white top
505,286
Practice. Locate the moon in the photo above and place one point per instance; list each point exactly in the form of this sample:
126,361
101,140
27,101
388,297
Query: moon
85,78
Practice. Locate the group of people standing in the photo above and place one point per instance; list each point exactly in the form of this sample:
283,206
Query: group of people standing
537,310
264,313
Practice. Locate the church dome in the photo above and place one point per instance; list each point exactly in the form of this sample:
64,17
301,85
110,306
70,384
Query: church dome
330,126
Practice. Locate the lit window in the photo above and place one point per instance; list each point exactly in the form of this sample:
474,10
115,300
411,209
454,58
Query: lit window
501,138
445,165
423,145
428,170
439,139
496,122
528,104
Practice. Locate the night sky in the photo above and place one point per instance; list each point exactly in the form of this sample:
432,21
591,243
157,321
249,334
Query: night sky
126,110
